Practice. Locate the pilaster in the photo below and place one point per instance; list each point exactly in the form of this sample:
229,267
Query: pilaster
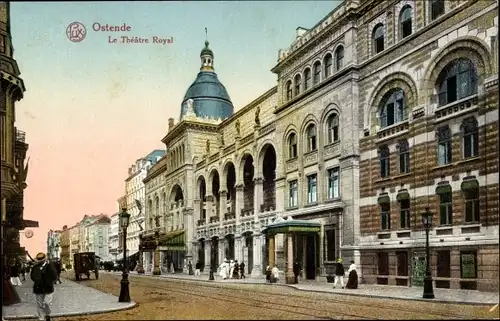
290,278
239,202
222,204
258,194
238,249
257,255
189,229
210,209
208,246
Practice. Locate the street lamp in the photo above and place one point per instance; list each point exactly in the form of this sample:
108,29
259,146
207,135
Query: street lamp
427,222
124,289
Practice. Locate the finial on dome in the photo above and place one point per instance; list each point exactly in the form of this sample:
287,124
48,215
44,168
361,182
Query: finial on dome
207,56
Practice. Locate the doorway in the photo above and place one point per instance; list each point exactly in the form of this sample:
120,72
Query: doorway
249,246
214,254
201,254
311,257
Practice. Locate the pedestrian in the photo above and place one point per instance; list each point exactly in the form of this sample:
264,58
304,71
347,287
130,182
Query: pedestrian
57,265
14,275
43,275
23,272
242,270
275,274
352,280
339,273
236,274
197,268
190,268
296,271
268,274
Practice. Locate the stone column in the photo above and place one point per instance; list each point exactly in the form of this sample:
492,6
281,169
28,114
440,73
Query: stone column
156,269
222,250
209,204
208,246
258,194
238,249
140,268
190,230
239,202
222,204
257,255
272,251
196,211
289,259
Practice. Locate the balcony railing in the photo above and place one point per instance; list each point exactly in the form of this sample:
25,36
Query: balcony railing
20,136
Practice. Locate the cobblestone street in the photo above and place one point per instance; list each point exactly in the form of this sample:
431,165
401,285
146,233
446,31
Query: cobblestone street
163,298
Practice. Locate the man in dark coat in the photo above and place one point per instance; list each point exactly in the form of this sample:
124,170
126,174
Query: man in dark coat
197,268
44,276
242,270
236,275
296,271
339,273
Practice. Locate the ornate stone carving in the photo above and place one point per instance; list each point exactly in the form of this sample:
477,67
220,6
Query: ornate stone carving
291,165
332,150
257,116
311,157
207,148
238,128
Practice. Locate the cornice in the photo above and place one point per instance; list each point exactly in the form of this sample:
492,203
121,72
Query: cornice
188,124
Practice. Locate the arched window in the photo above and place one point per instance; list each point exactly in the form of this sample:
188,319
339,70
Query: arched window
392,108
328,65
332,124
378,38
307,80
298,81
292,146
405,22
384,161
458,80
289,90
339,58
316,72
404,156
470,137
311,138
444,145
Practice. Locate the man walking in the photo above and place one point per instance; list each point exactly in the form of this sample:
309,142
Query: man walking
44,276
197,268
339,273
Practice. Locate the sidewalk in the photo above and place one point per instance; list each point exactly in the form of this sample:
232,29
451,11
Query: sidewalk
366,290
70,298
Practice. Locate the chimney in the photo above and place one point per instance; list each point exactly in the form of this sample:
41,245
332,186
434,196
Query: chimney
170,124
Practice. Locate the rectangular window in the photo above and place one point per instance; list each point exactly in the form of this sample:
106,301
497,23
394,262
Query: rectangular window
379,45
402,269
293,194
471,206
384,166
471,144
406,28
437,9
468,264
385,216
333,183
383,263
312,195
330,244
444,152
404,162
445,209
404,206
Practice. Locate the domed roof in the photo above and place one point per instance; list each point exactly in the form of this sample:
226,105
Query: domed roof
210,97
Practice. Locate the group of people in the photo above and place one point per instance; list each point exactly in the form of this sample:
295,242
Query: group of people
272,274
231,270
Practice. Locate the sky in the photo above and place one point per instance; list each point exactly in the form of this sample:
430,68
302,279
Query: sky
92,108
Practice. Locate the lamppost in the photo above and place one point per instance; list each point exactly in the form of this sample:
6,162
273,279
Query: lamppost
212,261
427,222
124,289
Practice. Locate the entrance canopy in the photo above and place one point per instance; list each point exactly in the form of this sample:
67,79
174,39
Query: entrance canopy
292,226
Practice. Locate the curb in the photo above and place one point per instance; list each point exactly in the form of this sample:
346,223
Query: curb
385,297
73,314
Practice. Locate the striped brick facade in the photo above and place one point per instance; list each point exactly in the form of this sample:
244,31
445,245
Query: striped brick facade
392,252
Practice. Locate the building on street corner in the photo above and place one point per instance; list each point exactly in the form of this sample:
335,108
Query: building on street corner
53,245
65,246
97,233
381,110
113,233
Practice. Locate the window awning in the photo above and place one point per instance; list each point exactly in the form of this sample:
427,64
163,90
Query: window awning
443,189
175,239
403,195
384,199
470,184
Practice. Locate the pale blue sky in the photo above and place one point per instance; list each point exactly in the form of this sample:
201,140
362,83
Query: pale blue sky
92,108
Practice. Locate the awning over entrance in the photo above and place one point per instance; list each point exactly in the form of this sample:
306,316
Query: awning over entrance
173,241
290,225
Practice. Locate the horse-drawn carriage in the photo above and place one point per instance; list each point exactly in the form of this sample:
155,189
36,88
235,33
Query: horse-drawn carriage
85,263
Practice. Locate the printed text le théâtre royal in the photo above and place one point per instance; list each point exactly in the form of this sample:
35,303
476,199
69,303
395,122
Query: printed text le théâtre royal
129,39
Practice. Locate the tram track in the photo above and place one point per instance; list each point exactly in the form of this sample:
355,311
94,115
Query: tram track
441,313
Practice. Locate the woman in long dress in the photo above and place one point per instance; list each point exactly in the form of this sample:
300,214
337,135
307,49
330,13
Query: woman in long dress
223,270
276,274
352,281
231,269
